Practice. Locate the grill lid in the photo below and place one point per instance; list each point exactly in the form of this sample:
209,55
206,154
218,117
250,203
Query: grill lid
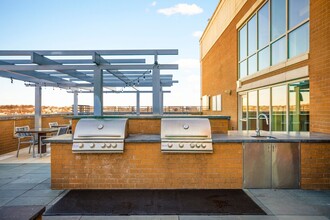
95,129
185,128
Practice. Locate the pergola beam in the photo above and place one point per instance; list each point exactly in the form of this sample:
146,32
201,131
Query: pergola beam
89,52
79,61
87,67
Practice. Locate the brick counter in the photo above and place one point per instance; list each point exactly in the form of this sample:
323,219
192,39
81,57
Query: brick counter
143,166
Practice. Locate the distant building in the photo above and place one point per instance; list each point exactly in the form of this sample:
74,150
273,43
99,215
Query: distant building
270,57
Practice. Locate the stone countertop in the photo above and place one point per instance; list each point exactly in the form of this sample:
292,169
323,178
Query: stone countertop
231,137
271,137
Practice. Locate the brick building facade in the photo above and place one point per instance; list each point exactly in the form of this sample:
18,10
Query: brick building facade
270,57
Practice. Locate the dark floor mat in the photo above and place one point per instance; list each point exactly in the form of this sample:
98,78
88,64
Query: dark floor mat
155,202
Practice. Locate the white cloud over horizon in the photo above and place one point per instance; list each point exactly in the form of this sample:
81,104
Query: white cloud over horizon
154,3
198,34
182,8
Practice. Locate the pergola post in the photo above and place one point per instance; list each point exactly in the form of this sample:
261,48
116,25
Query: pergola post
37,107
161,100
98,92
75,103
138,102
156,88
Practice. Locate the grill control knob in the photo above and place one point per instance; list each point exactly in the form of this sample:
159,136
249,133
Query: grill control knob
203,145
198,145
92,145
108,145
170,145
102,145
80,145
181,145
114,145
192,145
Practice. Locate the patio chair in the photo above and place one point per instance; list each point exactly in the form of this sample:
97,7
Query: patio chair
24,138
60,131
52,124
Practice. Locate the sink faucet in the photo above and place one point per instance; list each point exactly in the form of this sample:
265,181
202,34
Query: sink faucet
258,129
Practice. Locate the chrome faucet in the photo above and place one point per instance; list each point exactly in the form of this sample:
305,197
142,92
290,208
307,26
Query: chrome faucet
258,129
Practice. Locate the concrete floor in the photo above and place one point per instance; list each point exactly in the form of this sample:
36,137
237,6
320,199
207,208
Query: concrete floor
26,181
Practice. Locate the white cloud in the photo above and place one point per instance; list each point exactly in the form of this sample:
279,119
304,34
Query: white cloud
184,9
197,34
154,3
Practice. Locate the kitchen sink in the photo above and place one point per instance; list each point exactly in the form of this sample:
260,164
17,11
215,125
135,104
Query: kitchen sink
263,137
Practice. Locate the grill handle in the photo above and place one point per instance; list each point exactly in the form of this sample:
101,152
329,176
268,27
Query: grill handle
103,136
186,136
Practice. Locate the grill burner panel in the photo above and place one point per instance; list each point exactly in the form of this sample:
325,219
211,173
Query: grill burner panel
186,135
100,136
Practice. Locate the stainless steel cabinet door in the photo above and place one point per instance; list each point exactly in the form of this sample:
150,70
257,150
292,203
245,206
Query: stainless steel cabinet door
285,165
257,165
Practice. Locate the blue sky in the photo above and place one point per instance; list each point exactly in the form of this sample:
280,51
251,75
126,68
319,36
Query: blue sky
106,24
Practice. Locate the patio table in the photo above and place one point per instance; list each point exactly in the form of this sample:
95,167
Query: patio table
40,132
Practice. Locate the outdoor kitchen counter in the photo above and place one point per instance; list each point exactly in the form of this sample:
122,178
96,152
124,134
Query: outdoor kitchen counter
275,137
231,137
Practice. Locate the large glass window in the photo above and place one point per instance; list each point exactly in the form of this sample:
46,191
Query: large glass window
252,110
263,26
279,51
252,35
264,59
243,43
264,108
279,106
282,103
299,106
278,18
299,41
279,30
298,12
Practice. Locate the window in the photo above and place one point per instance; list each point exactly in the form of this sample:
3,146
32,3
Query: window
264,108
244,112
243,69
263,26
299,106
278,27
243,43
252,110
279,30
279,98
279,51
298,12
216,103
263,57
252,35
298,41
252,63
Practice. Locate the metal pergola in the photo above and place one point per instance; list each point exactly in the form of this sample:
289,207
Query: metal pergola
97,71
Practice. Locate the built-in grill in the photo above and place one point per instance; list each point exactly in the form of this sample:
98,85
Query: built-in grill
100,136
186,135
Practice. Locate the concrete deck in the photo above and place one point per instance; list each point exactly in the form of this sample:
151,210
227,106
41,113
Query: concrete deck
26,181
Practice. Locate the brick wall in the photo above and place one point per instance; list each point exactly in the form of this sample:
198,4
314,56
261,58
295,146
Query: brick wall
143,166
219,69
315,166
8,142
320,65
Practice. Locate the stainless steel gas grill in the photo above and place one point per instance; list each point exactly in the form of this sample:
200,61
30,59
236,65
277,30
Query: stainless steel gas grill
100,136
186,135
